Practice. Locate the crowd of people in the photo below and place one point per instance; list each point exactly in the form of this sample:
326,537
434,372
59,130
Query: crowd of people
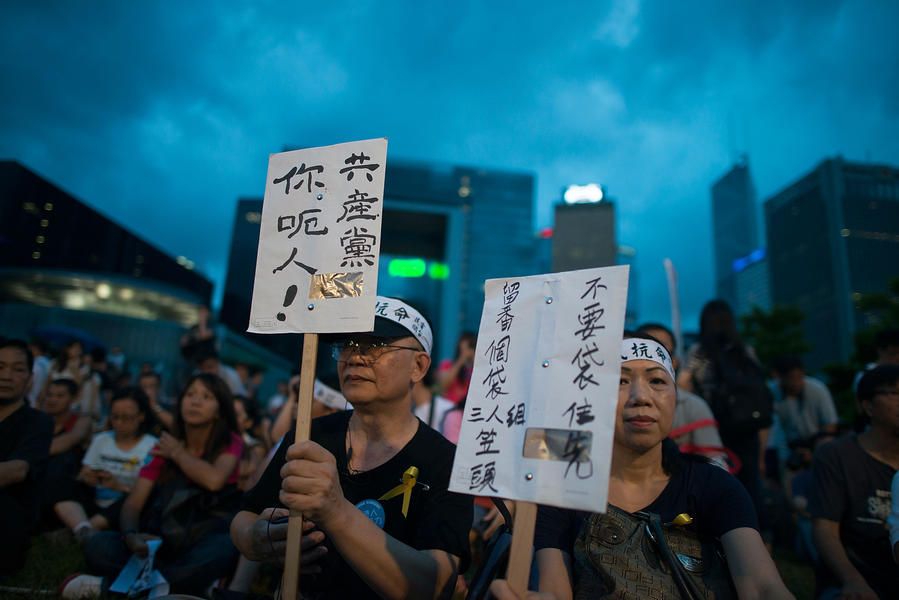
717,458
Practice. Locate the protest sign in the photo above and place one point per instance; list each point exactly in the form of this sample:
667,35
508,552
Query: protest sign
138,577
540,413
319,240
317,265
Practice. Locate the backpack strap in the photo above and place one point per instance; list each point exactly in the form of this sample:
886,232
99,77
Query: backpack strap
734,464
690,427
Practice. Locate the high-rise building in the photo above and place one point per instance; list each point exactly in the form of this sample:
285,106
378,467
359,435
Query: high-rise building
445,230
832,236
584,236
752,287
734,225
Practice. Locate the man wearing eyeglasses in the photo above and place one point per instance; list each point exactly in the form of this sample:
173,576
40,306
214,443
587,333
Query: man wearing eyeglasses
850,499
371,483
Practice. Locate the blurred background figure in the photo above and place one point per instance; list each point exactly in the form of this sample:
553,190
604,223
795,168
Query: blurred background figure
454,376
200,338
428,406
727,374
694,428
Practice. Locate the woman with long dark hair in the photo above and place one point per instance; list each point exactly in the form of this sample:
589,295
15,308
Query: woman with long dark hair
727,374
186,496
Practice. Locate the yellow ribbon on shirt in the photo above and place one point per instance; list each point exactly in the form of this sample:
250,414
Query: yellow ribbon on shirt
410,478
681,520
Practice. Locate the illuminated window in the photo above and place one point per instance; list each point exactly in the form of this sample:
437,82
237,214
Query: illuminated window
35,255
48,206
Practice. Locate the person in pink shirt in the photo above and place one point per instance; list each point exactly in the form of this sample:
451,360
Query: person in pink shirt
186,496
454,376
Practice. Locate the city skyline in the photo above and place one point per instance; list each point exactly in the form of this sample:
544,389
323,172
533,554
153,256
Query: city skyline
147,114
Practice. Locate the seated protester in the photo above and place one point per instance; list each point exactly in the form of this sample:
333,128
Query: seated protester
71,429
25,436
253,450
110,467
372,539
428,406
694,428
212,364
648,474
151,384
803,404
850,497
186,495
325,401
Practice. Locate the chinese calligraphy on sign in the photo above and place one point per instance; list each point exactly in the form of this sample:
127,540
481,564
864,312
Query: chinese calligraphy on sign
319,242
539,416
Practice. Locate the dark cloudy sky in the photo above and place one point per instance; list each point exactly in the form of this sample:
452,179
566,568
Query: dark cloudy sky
161,114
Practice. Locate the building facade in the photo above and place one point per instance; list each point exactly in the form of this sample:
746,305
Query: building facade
752,287
65,267
734,225
832,236
445,230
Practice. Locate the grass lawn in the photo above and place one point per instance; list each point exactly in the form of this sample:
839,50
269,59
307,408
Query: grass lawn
48,564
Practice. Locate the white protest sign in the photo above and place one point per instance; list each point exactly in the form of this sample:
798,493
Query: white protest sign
319,242
540,414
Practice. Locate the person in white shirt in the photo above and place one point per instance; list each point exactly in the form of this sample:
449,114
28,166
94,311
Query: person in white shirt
111,466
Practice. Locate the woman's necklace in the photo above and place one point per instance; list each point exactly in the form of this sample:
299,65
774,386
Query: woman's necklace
349,454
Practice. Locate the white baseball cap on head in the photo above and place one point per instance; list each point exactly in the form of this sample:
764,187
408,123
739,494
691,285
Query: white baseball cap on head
393,319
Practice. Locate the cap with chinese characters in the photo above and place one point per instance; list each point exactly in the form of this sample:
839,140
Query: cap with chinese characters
395,318
643,349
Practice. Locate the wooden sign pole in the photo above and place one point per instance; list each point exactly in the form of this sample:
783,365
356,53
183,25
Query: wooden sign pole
519,570
290,584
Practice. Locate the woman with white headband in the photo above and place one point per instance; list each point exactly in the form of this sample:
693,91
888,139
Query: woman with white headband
658,498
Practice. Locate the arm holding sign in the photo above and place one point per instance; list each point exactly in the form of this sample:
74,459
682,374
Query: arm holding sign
392,569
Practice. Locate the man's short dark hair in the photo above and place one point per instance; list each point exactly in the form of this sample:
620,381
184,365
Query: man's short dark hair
876,379
886,338
20,345
647,327
69,384
783,365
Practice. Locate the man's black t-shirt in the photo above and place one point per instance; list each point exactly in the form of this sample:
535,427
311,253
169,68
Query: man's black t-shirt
437,519
26,435
715,499
852,488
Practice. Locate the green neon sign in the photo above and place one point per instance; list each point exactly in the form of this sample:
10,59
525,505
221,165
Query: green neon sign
438,270
406,267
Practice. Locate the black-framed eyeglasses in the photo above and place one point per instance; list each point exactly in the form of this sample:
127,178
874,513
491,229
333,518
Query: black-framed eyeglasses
888,392
368,351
